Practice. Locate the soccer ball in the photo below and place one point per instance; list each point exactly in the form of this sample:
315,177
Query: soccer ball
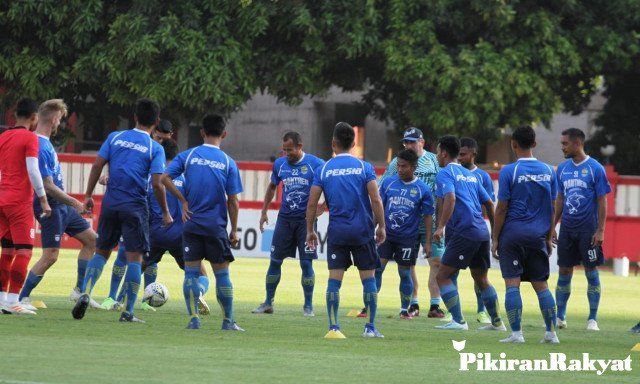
156,294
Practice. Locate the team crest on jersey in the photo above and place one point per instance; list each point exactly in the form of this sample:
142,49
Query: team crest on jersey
585,172
304,169
413,192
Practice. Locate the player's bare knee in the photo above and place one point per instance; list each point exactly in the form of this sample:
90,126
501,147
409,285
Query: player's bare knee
566,270
50,256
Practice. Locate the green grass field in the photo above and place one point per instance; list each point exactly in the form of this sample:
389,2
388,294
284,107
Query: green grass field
287,347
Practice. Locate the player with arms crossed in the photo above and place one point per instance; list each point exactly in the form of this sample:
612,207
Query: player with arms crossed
467,238
65,215
132,156
212,186
582,205
467,158
295,171
407,203
522,233
19,177
351,193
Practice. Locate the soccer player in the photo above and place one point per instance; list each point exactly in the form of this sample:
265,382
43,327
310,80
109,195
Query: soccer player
582,205
65,210
19,177
467,239
522,233
467,158
295,171
351,193
163,239
212,186
426,171
132,156
407,203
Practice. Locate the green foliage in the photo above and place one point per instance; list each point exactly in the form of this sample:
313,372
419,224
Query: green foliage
461,66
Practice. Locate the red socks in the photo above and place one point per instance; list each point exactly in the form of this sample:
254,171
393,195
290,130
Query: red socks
6,259
19,270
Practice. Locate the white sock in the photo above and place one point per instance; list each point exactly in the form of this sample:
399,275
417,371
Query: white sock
3,297
12,298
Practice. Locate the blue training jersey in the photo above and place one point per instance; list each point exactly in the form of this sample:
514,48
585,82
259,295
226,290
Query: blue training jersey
581,185
344,180
132,157
210,176
404,205
171,236
296,183
49,167
486,181
467,219
530,187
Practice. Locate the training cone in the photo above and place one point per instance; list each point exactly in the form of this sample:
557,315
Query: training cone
636,348
332,334
353,313
39,304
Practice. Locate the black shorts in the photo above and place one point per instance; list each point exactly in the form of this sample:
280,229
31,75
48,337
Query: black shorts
524,261
462,253
133,226
404,253
574,248
156,253
289,236
365,256
63,219
215,249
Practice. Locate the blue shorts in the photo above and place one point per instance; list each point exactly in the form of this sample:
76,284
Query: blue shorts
365,256
63,219
215,249
288,236
133,226
404,253
526,262
437,247
462,253
574,248
155,255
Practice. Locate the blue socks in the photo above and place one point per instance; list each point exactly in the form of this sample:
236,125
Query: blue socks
513,305
82,270
272,280
150,274
308,281
203,282
489,298
29,284
435,301
370,297
548,309
563,291
593,292
378,275
117,273
479,300
224,293
132,284
451,299
406,288
191,290
333,301
94,270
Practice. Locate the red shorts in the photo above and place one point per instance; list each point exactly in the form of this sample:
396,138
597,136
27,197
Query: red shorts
17,223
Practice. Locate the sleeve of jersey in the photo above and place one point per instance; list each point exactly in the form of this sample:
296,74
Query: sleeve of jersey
275,179
427,202
43,164
602,183
317,177
391,170
558,181
234,183
484,195
504,185
381,190
444,184
370,173
158,160
105,149
489,187
32,147
554,185
176,167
